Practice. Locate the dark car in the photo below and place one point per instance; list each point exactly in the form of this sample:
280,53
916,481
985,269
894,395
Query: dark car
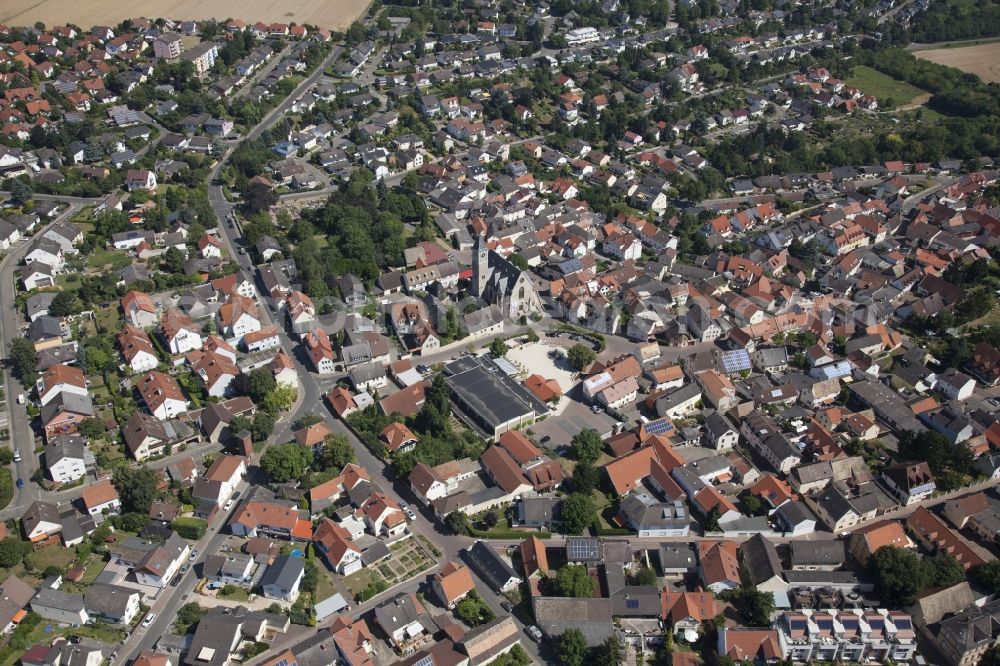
545,439
20,483
507,606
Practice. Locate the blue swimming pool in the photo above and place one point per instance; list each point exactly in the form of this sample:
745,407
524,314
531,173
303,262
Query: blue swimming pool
296,553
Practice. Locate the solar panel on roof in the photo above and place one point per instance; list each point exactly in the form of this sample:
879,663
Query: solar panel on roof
631,603
659,426
425,661
735,360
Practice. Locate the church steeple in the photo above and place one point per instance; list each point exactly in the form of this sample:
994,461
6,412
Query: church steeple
481,266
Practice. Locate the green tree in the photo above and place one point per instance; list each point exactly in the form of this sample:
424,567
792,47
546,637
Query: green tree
92,428
897,575
712,519
280,399
136,488
941,570
12,551
256,384
587,445
752,505
585,477
573,580
646,576
498,348
457,522
20,193
473,611
571,648
581,356
335,453
310,578
608,653
24,360
65,304
262,426
189,615
286,462
757,607
987,576
6,456
578,513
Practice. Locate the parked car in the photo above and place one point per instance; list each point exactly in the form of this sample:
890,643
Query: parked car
545,439
534,633
507,606
149,620
193,556
228,505
20,483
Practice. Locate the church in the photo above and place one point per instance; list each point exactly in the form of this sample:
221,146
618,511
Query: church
501,283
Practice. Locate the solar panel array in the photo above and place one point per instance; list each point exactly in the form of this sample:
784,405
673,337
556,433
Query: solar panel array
582,549
659,427
425,661
734,360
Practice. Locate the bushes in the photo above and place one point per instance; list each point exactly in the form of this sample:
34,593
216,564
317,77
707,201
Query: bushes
374,588
21,638
190,528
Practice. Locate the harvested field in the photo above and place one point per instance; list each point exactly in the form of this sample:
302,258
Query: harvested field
331,14
983,60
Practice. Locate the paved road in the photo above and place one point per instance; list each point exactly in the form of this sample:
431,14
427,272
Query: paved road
173,597
262,73
22,437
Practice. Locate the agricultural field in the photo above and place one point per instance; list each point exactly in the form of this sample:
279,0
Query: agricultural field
983,60
884,87
331,14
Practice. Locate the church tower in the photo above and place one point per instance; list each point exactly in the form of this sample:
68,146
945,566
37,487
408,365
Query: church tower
481,267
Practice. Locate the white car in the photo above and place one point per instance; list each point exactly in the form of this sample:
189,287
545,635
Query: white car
148,620
228,505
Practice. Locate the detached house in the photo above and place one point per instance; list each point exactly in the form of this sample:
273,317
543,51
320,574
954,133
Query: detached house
162,395
453,583
335,545
180,332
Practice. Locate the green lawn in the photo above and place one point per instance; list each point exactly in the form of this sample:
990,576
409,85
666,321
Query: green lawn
108,319
358,581
324,588
53,556
883,87
102,257
235,594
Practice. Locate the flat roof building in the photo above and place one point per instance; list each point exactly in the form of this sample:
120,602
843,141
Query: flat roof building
488,399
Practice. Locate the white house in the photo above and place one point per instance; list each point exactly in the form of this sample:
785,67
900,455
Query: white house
720,433
160,564
60,379
64,456
282,579
100,498
180,332
955,385
261,340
